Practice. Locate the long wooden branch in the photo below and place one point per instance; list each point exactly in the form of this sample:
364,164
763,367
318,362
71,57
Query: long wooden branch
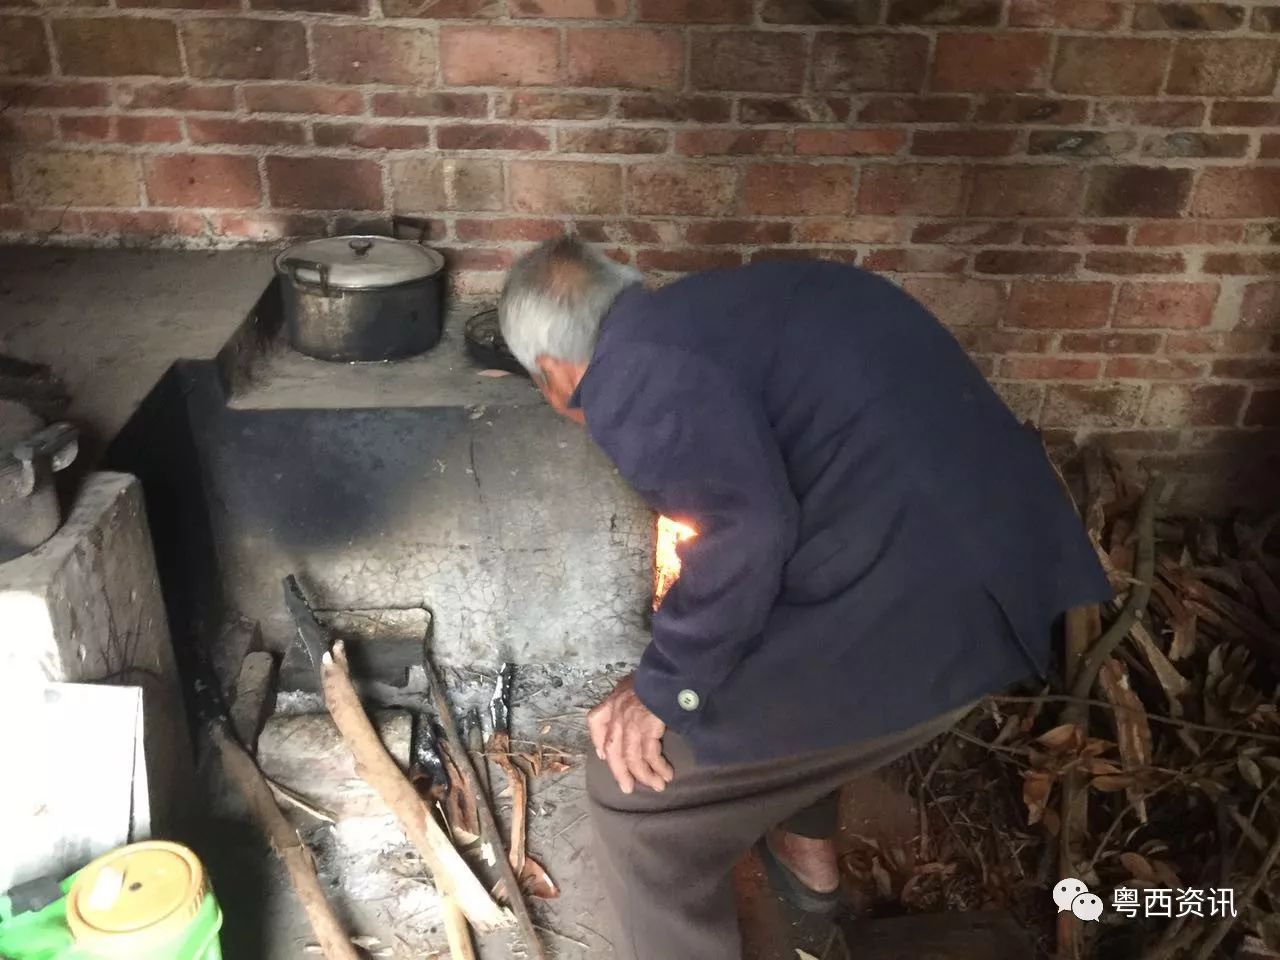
453,877
334,942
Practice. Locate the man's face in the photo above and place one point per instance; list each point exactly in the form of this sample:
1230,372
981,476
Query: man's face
558,379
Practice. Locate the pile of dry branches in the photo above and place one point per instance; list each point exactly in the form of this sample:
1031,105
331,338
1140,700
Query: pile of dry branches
1150,763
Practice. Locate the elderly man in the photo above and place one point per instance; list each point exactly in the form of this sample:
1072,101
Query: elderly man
879,544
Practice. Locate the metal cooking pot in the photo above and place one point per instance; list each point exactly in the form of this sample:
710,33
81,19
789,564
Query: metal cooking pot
363,297
30,454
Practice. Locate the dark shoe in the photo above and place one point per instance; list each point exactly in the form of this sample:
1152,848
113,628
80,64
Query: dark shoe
791,888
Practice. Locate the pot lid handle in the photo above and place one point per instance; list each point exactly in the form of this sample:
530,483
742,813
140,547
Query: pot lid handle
361,246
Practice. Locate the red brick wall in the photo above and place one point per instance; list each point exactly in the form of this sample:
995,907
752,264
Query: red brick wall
1087,190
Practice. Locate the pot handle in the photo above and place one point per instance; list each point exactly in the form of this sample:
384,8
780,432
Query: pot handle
421,224
294,264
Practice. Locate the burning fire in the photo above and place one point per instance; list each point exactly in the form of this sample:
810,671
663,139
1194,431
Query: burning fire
666,562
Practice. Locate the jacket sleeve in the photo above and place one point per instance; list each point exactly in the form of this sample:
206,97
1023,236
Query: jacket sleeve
697,448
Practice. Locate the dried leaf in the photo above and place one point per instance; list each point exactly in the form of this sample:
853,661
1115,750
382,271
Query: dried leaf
1139,867
884,882
459,804
1110,784
535,881
1036,787
1133,729
1250,771
494,374
1068,736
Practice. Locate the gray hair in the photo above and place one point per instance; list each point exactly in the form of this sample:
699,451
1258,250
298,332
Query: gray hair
555,299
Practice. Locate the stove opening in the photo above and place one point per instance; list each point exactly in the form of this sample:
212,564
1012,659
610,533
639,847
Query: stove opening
666,562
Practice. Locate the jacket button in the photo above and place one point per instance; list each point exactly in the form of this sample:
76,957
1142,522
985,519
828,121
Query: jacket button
688,700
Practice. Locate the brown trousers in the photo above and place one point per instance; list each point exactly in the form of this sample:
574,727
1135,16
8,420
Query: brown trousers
665,858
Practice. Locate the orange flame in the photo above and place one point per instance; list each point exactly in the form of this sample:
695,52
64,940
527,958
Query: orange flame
666,562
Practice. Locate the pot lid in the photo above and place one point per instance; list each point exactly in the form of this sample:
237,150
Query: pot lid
360,262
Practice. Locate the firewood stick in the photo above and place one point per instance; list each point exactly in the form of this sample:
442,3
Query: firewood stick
456,930
334,942
488,826
453,877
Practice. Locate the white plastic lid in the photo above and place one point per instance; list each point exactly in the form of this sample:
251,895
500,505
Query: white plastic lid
360,262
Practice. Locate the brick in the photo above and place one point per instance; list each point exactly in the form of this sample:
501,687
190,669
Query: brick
1225,192
1059,305
148,130
1247,368
1266,234
302,98
569,9
737,233
22,47
1105,66
25,128
746,60
117,46
1150,113
55,221
430,184
1269,149
565,187
792,110
324,183
1263,409
946,13
1069,405
499,56
85,128
1021,109
1041,262
1174,306
914,110
504,231
444,9
1153,368
1110,342
800,253
1119,262
471,258
964,232
245,49
849,143
1137,191
1081,143
535,105
372,136
263,226
1071,14
851,230
492,136
1195,144
203,180
1201,405
731,142
797,189
696,11
1024,400
1192,343
1260,309
872,62
1050,368
59,179
452,105
355,8
187,97
146,223
915,260
1245,113
681,188
681,261
988,340
629,57
1242,263
54,96
855,13
614,140
1026,191
912,190
266,132
959,302
1185,234
677,109
629,231
358,54
964,143
1188,16
1234,68
1266,19
1002,62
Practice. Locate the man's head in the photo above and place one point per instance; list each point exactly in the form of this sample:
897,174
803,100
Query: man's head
551,309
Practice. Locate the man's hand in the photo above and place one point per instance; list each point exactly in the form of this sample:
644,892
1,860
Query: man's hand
628,737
